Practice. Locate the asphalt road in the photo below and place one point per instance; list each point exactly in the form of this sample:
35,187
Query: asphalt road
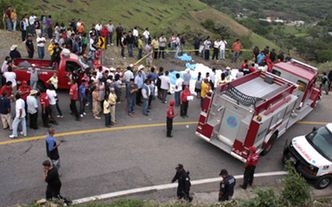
99,161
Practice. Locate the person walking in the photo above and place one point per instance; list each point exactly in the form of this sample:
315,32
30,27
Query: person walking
19,117
52,178
325,83
5,110
250,167
169,118
227,185
183,190
33,109
52,148
184,102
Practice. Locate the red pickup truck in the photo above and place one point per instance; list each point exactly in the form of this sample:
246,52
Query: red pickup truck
68,63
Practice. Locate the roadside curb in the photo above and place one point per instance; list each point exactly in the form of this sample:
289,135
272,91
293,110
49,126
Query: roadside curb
164,187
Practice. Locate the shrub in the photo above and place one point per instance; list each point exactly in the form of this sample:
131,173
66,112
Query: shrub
264,198
296,191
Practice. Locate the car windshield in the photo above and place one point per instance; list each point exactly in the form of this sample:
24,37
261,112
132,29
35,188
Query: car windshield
321,140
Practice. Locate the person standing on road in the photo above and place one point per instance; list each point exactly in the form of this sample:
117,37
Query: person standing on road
19,117
107,112
250,167
73,92
5,109
204,90
29,46
44,103
145,96
33,109
325,83
131,96
227,184
112,101
178,89
184,102
164,86
169,118
96,100
184,184
41,46
52,148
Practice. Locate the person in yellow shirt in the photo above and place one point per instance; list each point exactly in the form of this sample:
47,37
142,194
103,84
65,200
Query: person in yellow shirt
155,47
112,101
107,112
13,18
50,48
204,90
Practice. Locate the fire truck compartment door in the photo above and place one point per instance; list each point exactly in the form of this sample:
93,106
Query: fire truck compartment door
230,125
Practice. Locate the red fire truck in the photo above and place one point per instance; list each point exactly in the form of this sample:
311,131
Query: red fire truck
258,108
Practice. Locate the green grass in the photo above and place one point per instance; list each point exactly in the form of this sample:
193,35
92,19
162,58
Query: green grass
161,16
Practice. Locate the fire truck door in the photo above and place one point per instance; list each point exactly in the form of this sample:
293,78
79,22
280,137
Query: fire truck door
229,126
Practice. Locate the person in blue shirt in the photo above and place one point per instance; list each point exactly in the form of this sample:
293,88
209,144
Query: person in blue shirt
82,97
52,148
139,81
260,57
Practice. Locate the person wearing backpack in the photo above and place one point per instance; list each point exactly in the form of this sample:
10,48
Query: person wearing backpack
184,183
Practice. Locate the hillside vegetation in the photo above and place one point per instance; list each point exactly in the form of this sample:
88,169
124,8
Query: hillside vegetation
161,16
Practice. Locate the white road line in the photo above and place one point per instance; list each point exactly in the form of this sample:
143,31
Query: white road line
164,187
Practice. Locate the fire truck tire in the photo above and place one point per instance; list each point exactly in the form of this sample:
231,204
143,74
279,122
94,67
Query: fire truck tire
323,182
270,143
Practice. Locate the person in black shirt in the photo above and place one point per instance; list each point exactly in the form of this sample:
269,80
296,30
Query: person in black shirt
51,177
14,53
29,46
184,184
227,184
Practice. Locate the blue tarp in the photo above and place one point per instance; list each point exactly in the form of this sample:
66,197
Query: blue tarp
190,66
185,57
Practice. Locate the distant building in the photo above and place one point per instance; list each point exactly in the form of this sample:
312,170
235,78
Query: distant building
297,23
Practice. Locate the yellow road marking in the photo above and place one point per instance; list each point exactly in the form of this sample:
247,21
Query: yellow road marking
89,131
313,122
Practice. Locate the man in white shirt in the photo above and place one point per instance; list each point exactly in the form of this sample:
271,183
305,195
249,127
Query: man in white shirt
10,76
19,117
146,92
178,89
146,35
32,104
164,86
216,46
41,46
52,98
222,45
135,33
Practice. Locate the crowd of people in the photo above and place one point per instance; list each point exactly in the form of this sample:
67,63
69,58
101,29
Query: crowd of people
101,91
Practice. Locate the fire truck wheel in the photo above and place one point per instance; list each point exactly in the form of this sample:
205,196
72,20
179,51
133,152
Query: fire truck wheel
270,143
323,182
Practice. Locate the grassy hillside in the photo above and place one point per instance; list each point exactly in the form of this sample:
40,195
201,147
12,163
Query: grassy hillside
161,16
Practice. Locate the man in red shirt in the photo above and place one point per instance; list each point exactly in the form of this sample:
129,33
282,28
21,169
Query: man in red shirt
184,102
169,118
236,49
24,90
44,103
8,89
250,167
73,93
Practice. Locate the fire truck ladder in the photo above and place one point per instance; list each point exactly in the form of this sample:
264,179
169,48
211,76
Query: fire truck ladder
240,97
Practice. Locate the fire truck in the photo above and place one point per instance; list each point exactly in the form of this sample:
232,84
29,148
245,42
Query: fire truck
255,110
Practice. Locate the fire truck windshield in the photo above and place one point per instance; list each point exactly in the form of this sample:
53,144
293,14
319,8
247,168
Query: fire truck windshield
321,140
